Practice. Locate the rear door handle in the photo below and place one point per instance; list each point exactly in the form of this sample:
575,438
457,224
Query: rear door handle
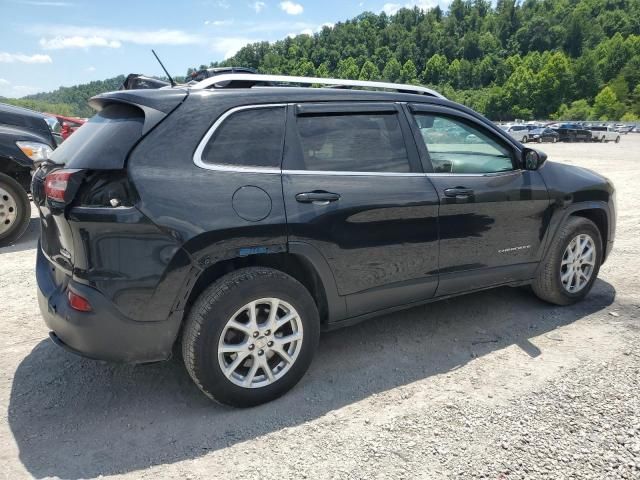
317,198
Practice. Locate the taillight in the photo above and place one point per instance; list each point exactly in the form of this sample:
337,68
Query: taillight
61,185
78,302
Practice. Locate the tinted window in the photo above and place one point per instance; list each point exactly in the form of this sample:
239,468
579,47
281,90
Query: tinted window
104,141
457,147
353,142
248,138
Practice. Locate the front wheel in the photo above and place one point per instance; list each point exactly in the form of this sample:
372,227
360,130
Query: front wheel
618,139
555,139
15,210
525,139
250,337
571,265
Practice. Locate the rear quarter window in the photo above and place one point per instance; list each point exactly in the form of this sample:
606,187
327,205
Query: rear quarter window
248,138
104,141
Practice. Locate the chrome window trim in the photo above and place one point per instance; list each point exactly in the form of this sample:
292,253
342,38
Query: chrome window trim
399,174
353,174
197,156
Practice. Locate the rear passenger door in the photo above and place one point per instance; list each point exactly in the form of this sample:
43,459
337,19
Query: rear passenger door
354,190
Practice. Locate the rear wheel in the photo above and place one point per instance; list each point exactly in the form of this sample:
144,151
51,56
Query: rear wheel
618,139
572,263
15,210
525,139
250,337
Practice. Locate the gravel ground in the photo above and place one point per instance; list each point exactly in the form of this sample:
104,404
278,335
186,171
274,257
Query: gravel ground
491,385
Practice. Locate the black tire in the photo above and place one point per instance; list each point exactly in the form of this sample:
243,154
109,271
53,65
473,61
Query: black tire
548,285
22,206
525,139
216,306
618,139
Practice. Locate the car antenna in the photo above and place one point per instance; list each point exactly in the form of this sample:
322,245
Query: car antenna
173,83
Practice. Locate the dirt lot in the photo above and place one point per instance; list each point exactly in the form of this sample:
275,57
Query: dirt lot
493,385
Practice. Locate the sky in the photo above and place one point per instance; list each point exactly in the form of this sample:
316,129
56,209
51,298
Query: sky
45,44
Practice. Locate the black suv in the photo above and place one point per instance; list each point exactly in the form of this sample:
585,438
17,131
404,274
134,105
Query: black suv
26,138
237,221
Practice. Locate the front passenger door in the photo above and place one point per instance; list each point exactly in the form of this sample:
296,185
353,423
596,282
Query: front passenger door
493,215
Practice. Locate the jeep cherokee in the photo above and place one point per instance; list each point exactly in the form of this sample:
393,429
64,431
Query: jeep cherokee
238,218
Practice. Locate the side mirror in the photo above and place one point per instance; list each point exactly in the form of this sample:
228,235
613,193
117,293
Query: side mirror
533,159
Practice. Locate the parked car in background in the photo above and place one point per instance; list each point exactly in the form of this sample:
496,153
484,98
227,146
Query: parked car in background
543,134
26,139
604,133
520,132
55,127
137,81
571,132
69,125
223,243
212,72
624,129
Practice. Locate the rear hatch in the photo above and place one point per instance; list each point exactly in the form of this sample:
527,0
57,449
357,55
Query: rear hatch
88,171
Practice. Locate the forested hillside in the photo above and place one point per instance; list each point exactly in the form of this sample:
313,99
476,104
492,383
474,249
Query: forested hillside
534,59
569,59
70,101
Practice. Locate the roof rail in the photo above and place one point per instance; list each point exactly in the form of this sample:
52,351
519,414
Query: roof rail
235,80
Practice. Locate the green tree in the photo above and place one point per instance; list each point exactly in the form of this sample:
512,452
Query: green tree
606,105
348,68
392,70
369,71
579,110
435,71
409,73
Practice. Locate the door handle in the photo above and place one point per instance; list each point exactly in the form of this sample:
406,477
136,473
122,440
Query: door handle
459,193
317,198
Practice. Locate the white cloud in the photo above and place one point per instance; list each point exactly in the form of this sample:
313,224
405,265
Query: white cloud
391,8
258,6
219,23
7,89
291,8
91,69
229,46
58,43
19,57
307,31
57,37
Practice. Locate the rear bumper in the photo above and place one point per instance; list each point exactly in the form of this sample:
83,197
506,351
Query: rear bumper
104,333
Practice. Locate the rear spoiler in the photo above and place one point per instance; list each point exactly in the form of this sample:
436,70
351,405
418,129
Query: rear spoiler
156,104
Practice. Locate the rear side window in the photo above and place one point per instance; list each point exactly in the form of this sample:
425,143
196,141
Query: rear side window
353,142
248,138
104,141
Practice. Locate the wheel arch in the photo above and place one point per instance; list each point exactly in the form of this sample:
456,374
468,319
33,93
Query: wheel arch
601,220
300,261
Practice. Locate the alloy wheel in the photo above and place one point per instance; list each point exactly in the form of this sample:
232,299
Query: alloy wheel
578,263
260,343
8,211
